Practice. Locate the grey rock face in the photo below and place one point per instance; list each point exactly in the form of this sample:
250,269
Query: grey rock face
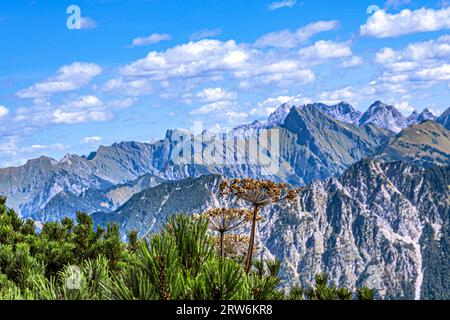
148,210
444,119
416,118
66,204
384,116
342,111
368,228
382,225
319,146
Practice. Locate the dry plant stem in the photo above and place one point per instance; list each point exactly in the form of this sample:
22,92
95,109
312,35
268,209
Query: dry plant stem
222,253
252,240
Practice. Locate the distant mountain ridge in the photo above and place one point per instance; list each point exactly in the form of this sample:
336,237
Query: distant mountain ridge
67,204
416,117
313,146
427,144
317,142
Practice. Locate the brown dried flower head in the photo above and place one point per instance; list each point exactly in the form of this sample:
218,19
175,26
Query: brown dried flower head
235,245
227,219
258,193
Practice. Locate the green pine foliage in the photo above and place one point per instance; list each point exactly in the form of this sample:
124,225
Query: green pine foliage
74,260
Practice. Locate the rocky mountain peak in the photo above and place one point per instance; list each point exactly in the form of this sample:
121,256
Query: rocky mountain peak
42,161
278,116
444,119
417,117
343,112
384,116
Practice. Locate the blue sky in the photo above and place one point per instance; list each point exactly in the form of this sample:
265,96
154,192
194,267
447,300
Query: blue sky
139,67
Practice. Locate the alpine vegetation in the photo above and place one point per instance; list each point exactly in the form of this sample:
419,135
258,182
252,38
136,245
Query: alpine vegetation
76,261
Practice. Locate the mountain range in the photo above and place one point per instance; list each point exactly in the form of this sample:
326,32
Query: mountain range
374,211
382,225
316,142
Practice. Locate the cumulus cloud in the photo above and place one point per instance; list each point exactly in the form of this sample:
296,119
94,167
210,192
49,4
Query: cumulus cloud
193,59
283,74
14,154
219,106
384,25
40,147
419,64
88,23
72,117
441,73
84,109
215,94
333,97
324,50
3,111
282,4
217,60
70,77
404,106
352,62
268,106
91,140
134,87
291,39
151,39
395,3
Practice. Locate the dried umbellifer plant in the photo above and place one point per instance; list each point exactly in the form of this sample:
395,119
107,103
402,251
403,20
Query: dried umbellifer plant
259,194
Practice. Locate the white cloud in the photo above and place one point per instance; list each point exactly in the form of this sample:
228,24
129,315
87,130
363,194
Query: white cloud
122,103
215,94
282,4
197,62
352,62
194,59
81,110
385,55
88,23
289,39
14,154
284,74
419,64
219,106
236,116
151,39
88,101
395,3
404,106
384,25
3,111
206,33
268,106
333,97
324,50
135,87
91,140
441,73
70,77
72,117
39,147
